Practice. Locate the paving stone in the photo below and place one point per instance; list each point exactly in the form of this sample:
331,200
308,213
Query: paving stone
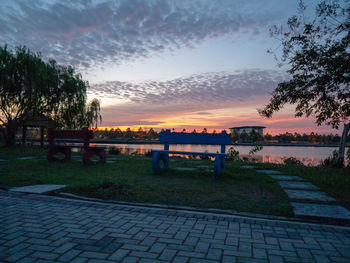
45,255
37,189
110,161
247,166
204,166
179,259
317,210
297,185
268,172
167,254
185,168
25,158
119,254
309,195
40,228
286,177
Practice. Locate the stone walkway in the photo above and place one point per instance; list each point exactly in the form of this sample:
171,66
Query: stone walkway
39,228
318,205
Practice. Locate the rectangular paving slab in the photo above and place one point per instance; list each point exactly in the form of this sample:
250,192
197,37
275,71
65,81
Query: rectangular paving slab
287,177
37,189
25,158
320,210
247,166
297,185
268,172
184,169
310,195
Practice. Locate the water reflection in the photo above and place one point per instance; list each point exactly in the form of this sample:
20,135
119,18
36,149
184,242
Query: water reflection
269,154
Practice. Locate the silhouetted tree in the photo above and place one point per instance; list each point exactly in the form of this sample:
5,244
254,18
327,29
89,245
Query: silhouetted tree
30,87
317,52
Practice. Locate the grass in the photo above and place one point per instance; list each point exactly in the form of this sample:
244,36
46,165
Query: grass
131,178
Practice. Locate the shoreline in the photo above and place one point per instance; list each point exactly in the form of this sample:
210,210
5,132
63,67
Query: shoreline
157,142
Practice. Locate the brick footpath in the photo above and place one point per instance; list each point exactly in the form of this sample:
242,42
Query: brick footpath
38,228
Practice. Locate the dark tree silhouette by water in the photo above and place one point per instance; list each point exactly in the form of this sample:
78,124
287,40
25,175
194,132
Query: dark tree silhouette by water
31,87
317,54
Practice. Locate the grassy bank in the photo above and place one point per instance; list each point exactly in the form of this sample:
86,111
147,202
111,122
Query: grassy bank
130,178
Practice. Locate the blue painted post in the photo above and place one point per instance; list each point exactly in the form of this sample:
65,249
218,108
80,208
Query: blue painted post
223,148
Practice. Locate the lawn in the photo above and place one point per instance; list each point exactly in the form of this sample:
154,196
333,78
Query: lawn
130,178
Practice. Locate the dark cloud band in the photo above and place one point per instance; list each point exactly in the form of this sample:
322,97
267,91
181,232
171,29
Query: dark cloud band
88,33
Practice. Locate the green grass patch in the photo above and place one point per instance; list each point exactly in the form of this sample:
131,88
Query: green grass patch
131,178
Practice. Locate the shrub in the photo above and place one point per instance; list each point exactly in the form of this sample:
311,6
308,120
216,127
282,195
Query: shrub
255,149
233,154
114,151
292,161
331,161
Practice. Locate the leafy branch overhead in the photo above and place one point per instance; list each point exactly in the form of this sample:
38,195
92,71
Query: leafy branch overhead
317,53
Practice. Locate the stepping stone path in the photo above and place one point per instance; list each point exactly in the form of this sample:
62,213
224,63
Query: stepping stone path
297,185
184,169
286,178
334,211
297,189
268,172
37,189
204,166
247,167
310,195
25,158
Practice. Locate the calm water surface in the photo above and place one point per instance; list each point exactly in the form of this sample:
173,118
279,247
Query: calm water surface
273,154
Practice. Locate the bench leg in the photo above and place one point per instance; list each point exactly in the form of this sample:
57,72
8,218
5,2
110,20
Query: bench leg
219,165
90,152
66,150
160,161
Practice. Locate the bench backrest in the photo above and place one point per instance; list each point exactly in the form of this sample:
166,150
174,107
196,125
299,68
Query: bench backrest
84,134
168,137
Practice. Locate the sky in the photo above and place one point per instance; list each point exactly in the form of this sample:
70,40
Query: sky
183,64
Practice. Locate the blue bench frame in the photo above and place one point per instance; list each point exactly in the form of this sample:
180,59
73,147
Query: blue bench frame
160,159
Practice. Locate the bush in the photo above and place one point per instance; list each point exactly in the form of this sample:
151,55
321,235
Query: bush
114,151
255,149
292,161
233,154
331,161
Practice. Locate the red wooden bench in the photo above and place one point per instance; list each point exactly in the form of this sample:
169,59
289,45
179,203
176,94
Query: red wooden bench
85,134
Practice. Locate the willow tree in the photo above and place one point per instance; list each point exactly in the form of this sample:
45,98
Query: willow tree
316,53
31,87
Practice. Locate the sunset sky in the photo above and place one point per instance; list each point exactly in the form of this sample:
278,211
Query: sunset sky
165,63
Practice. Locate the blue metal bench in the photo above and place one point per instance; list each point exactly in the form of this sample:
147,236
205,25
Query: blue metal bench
160,159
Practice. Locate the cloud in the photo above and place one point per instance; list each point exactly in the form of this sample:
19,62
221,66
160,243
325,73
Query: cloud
192,98
209,88
89,33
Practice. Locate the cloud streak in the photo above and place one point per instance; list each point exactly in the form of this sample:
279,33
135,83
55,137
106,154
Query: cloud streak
89,33
216,88
192,98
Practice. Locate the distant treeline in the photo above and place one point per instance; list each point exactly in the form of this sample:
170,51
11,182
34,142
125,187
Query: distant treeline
288,138
253,136
130,134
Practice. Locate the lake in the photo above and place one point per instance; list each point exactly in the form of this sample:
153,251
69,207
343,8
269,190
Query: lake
309,155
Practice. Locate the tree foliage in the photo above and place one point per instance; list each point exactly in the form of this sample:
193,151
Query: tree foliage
317,52
31,87
317,55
